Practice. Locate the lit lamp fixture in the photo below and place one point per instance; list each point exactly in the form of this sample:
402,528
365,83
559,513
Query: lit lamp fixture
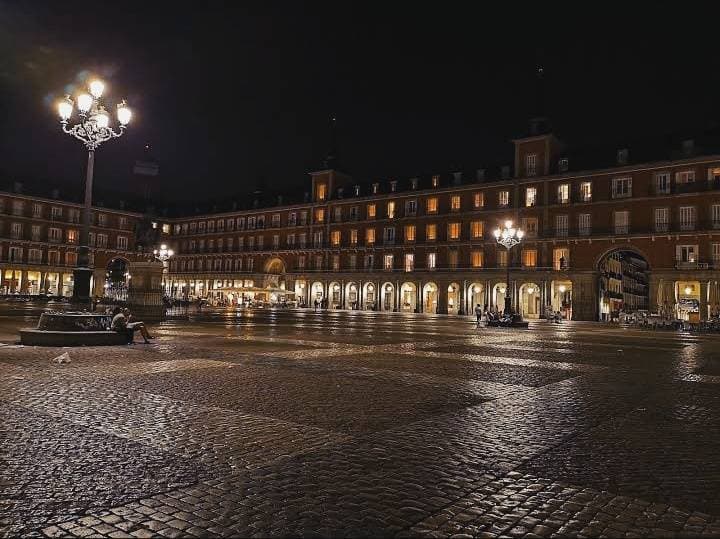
163,254
688,290
92,129
562,288
508,237
530,290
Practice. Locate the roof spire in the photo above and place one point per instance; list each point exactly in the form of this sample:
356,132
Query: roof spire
331,158
539,123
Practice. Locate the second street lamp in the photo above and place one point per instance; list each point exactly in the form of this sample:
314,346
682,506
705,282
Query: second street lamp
508,237
92,129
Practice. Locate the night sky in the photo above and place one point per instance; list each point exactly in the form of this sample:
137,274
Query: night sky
237,94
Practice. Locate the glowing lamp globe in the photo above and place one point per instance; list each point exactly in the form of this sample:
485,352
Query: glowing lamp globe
508,223
101,118
123,113
688,290
65,108
84,102
562,288
97,87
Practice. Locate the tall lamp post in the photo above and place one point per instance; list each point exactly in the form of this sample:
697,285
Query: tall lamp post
164,254
92,129
508,237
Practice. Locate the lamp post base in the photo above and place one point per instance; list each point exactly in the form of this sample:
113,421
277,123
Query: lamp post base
508,305
81,287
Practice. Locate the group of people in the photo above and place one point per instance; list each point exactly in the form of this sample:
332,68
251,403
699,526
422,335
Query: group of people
492,314
122,322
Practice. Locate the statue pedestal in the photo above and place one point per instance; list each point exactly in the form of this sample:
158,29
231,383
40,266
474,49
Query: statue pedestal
145,295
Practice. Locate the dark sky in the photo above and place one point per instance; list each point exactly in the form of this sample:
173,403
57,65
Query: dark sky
233,92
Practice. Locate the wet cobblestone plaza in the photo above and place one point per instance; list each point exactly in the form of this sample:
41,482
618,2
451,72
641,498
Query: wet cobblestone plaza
351,424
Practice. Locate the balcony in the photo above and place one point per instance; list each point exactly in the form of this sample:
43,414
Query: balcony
686,265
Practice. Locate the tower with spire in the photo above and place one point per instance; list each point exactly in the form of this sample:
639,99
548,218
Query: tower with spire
328,179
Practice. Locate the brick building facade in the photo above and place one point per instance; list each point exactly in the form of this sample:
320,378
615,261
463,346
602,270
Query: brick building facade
628,236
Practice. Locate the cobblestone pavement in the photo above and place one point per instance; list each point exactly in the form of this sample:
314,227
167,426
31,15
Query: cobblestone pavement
352,424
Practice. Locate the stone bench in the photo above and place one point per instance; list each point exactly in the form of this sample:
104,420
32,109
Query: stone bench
37,337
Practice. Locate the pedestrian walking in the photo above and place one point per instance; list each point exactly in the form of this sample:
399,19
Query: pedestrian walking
478,314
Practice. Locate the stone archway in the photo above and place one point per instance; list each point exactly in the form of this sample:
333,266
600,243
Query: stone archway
453,298
529,300
430,298
623,283
334,295
408,297
352,296
387,297
476,296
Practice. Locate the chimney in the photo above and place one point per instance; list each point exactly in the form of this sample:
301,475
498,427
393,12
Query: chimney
623,155
17,187
457,178
563,164
480,175
505,172
55,193
688,147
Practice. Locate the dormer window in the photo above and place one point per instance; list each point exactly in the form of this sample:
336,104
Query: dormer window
321,191
357,190
564,164
413,183
435,181
375,188
393,186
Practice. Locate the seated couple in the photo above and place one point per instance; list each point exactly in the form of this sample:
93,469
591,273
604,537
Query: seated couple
121,323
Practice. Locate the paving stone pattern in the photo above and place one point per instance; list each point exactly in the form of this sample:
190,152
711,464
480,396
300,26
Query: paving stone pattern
292,423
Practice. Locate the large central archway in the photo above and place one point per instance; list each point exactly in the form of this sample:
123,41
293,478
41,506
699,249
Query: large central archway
623,284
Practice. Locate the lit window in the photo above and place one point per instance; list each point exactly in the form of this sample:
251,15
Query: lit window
455,202
335,237
431,261
478,200
431,205
431,232
586,191
353,236
529,258
477,259
409,262
503,198
391,209
321,191
435,181
369,236
563,193
320,215
371,211
561,258
72,235
410,233
453,231
388,262
530,196
166,228
476,229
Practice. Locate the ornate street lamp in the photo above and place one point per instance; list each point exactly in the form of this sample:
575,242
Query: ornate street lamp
92,129
164,254
508,237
